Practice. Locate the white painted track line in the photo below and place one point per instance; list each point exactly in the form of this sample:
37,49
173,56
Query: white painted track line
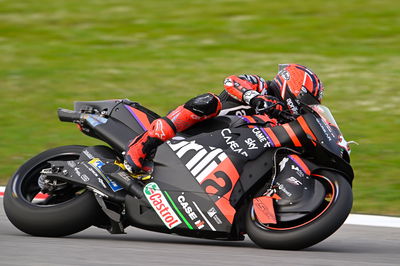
355,219
373,220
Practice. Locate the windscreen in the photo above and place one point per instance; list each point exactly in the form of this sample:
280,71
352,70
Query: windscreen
325,113
327,116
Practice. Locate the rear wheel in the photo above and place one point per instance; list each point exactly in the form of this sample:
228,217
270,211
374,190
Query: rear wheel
66,211
311,229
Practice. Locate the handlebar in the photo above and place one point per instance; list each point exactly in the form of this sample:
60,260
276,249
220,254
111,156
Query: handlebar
66,115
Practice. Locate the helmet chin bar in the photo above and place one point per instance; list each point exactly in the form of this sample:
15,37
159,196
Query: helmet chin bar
275,90
307,98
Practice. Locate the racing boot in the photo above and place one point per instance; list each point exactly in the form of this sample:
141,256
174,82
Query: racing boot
141,151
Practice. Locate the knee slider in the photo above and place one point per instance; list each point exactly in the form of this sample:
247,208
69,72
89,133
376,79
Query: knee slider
204,105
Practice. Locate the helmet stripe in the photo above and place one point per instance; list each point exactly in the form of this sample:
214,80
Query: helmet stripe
283,90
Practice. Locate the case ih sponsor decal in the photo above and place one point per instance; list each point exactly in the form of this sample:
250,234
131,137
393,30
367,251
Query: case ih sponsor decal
213,170
161,205
193,215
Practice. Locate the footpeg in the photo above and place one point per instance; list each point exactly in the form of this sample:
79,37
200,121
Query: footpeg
130,184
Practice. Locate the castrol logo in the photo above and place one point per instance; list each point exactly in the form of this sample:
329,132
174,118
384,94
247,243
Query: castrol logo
161,206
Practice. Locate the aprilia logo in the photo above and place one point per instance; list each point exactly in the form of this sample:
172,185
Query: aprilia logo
203,161
161,205
251,144
214,171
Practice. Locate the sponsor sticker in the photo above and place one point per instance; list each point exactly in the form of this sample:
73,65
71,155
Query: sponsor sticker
294,181
299,172
101,181
261,137
85,178
291,106
88,154
217,219
264,208
282,188
188,209
285,74
95,120
229,139
97,164
251,143
71,164
213,214
326,129
160,204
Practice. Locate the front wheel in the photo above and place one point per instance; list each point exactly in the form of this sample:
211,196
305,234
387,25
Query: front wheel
64,212
309,230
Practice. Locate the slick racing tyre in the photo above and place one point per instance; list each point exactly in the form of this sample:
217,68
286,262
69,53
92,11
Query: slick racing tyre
311,229
66,211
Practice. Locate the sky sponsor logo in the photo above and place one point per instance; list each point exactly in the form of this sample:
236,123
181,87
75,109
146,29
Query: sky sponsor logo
251,143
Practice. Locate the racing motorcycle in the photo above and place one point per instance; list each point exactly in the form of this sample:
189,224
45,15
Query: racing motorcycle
286,187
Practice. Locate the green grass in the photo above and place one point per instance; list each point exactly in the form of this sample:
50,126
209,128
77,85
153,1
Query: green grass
161,53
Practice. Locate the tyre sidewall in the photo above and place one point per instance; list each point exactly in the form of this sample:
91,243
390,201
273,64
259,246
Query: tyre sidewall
62,219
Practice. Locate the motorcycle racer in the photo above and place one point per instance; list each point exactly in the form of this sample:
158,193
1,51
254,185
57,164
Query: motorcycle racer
278,100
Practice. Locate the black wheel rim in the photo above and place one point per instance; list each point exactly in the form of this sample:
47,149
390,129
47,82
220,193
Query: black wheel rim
331,195
28,189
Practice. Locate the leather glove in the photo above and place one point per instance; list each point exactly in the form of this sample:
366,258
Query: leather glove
238,86
258,83
265,104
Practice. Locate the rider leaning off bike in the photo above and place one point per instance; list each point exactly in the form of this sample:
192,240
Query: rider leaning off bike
276,99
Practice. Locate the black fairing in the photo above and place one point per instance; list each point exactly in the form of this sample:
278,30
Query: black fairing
300,194
326,154
121,123
86,171
194,197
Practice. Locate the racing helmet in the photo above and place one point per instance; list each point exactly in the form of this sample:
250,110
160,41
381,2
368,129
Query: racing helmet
296,84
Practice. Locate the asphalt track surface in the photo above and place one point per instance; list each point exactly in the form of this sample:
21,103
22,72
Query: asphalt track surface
351,245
